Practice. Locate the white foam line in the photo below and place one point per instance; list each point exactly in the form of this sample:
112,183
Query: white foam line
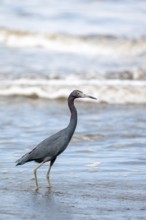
65,45
73,44
110,91
45,82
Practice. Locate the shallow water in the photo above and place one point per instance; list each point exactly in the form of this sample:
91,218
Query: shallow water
101,175
49,48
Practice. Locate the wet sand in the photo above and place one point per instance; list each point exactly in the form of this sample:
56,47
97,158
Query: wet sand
101,175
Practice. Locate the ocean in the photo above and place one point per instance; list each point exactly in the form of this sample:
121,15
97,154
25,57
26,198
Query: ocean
49,48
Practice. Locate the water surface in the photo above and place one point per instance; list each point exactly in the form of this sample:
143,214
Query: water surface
101,174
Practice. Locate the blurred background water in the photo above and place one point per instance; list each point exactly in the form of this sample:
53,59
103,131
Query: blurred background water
48,48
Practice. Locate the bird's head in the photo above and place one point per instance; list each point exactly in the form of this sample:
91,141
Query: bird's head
79,94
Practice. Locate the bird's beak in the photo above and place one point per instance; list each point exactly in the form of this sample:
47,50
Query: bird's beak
88,96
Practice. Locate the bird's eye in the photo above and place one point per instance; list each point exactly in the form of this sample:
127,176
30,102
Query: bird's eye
78,93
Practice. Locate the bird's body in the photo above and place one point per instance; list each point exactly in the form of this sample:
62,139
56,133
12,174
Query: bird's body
48,149
51,147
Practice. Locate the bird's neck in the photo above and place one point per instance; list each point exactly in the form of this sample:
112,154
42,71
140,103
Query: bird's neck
73,118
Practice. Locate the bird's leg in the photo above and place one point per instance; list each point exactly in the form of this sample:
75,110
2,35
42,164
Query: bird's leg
47,176
48,173
35,175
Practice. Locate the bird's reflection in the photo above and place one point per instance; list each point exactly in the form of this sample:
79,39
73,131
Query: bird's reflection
46,205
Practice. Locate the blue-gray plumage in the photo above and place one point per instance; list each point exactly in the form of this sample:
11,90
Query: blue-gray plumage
51,147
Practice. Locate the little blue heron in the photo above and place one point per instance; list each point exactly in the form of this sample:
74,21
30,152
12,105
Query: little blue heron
51,147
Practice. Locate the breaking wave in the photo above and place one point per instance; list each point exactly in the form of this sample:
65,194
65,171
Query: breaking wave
107,91
92,45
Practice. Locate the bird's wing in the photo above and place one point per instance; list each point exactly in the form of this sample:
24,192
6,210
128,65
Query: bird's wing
50,147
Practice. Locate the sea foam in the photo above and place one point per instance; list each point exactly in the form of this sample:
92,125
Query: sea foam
87,45
107,91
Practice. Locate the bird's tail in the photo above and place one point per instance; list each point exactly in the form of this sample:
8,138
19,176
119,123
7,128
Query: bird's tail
24,159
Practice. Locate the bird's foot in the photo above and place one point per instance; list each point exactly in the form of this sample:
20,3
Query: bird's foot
49,186
49,189
37,189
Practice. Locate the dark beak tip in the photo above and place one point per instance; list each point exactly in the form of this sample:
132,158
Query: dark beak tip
88,96
91,97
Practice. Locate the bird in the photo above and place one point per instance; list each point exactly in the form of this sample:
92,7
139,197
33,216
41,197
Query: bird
49,149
